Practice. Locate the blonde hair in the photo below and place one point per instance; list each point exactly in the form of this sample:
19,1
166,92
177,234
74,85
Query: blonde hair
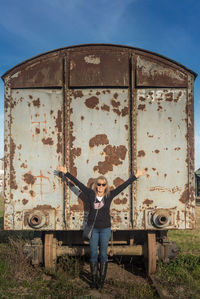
107,189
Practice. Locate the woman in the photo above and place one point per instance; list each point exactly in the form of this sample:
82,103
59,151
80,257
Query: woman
99,197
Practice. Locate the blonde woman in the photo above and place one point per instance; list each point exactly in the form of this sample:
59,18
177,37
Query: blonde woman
99,197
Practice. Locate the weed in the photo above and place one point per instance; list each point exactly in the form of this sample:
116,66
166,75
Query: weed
70,265
181,276
132,290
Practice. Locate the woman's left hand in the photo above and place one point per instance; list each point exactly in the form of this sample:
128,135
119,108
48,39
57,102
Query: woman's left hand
140,172
62,168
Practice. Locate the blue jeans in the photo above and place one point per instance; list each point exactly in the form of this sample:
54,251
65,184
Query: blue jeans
101,237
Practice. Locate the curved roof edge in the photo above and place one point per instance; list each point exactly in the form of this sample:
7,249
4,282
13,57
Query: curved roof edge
100,44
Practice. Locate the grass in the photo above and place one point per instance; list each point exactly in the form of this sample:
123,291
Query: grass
127,290
18,279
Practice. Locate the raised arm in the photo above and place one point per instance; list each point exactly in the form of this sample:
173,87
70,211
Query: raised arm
68,175
132,178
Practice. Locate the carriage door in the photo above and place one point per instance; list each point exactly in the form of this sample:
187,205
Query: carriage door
98,131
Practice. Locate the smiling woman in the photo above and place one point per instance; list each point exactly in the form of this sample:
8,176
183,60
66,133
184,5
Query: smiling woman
99,198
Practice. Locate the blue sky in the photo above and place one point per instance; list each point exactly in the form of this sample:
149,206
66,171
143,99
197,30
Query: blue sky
170,28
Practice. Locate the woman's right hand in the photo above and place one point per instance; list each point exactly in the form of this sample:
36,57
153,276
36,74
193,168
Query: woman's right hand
62,168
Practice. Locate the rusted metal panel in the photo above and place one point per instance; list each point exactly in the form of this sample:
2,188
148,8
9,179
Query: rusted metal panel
99,68
162,151
35,151
190,204
46,72
98,139
8,221
153,73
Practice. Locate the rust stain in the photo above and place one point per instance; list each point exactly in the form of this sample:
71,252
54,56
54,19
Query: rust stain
114,156
185,195
124,111
29,178
118,181
32,193
76,152
72,166
169,97
177,148
142,99
147,201
82,117
105,108
23,165
77,93
117,219
150,136
59,121
92,102
100,139
117,111
178,97
44,207
36,103
141,153
115,104
170,119
119,201
115,95
48,141
59,144
156,151
163,189
37,130
178,216
141,107
24,201
13,183
159,108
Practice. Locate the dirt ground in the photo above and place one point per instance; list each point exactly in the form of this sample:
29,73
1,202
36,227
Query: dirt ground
118,271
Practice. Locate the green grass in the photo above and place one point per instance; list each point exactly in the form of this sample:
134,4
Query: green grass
181,277
18,279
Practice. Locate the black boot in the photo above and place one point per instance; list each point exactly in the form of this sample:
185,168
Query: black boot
103,271
93,268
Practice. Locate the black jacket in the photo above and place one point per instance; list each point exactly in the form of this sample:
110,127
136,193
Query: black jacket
103,216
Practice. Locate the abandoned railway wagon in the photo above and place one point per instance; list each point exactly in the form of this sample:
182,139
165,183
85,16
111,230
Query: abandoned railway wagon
100,110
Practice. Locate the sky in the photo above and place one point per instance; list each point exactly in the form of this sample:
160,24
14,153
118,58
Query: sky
170,28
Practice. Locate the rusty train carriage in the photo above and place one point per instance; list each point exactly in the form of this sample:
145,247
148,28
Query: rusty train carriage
101,109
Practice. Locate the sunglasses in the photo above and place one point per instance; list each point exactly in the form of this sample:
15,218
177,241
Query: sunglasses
98,184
